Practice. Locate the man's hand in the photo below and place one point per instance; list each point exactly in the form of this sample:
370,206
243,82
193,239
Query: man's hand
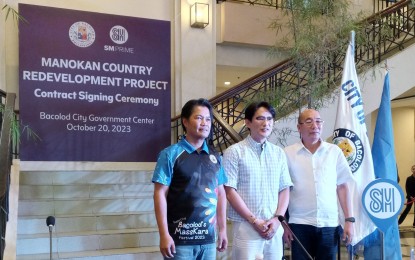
260,227
222,243
167,246
287,237
347,235
271,228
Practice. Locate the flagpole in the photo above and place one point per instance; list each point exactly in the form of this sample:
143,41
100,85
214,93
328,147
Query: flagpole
382,252
351,42
352,34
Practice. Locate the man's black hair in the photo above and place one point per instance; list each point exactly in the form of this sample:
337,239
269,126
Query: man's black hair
253,107
188,108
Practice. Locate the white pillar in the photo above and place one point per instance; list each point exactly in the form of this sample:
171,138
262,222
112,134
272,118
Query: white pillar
194,55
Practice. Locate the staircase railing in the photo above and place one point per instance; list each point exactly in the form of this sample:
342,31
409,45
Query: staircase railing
378,5
287,79
7,103
269,3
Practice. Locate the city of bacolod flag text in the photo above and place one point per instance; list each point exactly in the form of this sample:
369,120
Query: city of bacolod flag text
350,134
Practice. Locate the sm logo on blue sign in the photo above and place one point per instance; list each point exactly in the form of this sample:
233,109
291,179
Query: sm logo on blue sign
383,200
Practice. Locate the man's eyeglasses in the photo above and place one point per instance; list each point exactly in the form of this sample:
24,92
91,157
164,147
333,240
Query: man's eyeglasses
263,118
310,122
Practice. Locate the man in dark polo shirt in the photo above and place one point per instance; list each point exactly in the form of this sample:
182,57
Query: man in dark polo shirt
189,197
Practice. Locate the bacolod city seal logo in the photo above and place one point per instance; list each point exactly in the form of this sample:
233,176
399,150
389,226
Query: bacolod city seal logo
118,34
82,34
351,145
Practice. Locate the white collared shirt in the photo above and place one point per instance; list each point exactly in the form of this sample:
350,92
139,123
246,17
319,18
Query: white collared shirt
313,199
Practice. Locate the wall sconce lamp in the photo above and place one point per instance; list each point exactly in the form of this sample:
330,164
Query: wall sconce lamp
199,15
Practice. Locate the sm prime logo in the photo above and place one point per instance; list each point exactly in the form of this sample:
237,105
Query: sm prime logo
118,35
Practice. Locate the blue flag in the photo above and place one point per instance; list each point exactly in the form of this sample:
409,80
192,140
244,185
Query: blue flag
384,162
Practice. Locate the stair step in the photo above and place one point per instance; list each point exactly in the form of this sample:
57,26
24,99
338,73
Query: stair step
37,224
58,234
85,191
87,241
89,206
142,253
86,215
85,177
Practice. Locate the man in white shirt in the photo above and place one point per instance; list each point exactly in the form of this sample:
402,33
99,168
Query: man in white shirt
257,188
319,172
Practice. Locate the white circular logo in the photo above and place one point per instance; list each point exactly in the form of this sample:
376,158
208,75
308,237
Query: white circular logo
383,200
82,34
213,158
118,34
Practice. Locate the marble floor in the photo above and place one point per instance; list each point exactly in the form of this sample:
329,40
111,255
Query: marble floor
407,232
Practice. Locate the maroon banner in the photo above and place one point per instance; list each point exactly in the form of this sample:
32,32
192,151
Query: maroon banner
94,87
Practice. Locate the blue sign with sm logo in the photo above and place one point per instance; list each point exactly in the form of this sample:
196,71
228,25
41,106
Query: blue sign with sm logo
383,200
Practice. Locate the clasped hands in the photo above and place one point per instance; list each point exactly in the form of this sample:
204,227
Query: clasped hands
266,228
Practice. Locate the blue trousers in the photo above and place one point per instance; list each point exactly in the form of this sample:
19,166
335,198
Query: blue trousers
320,243
196,252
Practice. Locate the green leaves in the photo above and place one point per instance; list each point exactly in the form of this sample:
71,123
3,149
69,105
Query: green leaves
11,11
